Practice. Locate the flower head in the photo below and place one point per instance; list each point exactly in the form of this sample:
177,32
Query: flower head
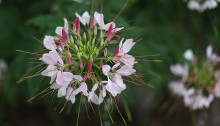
198,85
202,5
79,60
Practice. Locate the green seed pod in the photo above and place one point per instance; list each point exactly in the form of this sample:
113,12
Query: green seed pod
97,52
76,47
102,42
80,43
87,44
95,31
93,42
84,36
71,39
79,55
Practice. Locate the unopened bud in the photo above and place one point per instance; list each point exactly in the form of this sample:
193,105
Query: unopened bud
77,23
116,51
110,33
90,66
93,42
97,52
84,36
76,47
92,24
105,52
100,64
95,31
79,55
69,61
71,39
81,63
63,36
80,43
102,42
87,44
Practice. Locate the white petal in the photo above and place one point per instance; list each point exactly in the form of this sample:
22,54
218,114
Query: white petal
115,66
60,80
117,79
106,27
55,86
102,95
61,92
118,29
177,88
66,26
58,30
128,44
49,43
179,70
113,88
126,70
83,88
53,79
193,5
188,55
48,59
120,44
56,56
92,96
217,89
128,60
70,95
82,20
99,19
78,78
67,76
106,69
86,17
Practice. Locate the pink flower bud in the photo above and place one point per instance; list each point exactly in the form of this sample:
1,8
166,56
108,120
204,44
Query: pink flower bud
105,52
63,35
89,65
100,64
110,33
69,61
116,51
77,23
92,23
80,63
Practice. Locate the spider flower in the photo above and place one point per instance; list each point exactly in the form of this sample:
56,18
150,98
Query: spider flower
79,61
202,5
199,80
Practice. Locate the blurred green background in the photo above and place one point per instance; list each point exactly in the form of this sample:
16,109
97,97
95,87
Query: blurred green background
166,27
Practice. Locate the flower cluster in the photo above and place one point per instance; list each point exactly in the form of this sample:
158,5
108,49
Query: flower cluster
202,5
199,81
79,60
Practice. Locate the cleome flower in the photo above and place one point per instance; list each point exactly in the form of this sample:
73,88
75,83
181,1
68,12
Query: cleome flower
202,5
78,60
199,81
